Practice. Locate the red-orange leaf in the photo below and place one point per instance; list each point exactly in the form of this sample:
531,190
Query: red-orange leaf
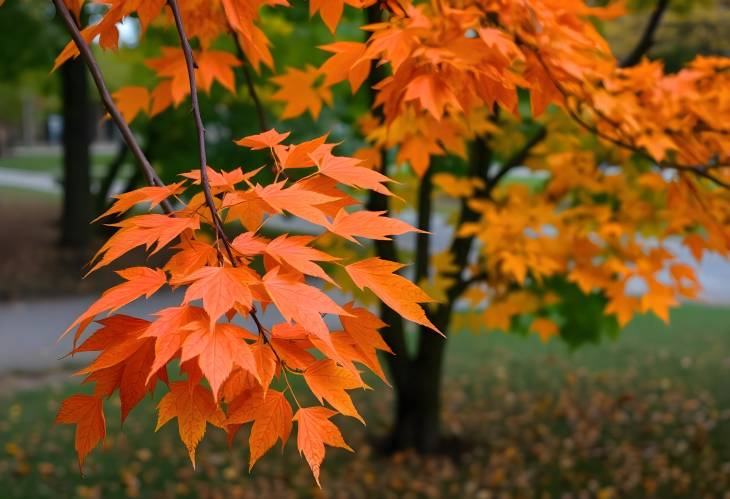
140,281
294,251
349,171
87,413
301,92
218,348
152,194
220,288
272,420
296,200
301,303
346,63
368,224
143,230
263,140
131,101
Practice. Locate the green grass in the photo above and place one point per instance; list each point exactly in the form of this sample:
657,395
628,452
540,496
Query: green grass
27,196
51,163
646,415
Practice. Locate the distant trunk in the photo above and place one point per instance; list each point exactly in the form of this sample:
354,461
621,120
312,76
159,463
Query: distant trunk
75,229
112,172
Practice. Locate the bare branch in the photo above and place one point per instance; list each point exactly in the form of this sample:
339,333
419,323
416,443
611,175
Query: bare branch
88,57
647,38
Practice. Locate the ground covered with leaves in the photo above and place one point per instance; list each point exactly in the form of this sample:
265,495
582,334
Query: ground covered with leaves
646,416
32,263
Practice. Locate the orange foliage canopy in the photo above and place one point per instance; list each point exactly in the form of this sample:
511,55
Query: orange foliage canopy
451,68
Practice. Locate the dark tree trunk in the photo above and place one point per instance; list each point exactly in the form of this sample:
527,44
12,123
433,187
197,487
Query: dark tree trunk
417,423
77,202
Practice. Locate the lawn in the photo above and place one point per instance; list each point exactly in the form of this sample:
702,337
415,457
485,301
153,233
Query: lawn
647,415
53,163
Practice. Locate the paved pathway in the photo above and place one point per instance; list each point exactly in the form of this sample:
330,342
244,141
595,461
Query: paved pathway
29,330
35,181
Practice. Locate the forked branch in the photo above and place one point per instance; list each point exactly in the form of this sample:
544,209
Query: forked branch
204,181
647,38
88,57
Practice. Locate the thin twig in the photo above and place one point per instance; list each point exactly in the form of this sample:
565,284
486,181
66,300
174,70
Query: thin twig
647,38
700,171
204,181
88,58
260,112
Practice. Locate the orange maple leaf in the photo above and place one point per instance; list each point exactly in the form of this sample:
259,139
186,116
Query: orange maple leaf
272,420
218,348
132,101
141,281
301,92
220,289
396,291
368,224
348,62
152,194
349,171
143,230
301,303
194,407
328,381
293,251
314,430
269,138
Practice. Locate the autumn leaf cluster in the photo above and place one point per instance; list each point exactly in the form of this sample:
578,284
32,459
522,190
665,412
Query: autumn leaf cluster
233,370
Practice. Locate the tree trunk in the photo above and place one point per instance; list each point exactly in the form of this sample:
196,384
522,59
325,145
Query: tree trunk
417,423
75,229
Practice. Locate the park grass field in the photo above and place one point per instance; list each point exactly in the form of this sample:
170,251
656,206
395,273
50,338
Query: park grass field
647,415
50,162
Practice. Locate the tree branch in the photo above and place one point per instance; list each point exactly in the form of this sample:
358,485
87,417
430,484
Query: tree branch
204,182
88,57
699,170
647,38
518,158
461,246
248,77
